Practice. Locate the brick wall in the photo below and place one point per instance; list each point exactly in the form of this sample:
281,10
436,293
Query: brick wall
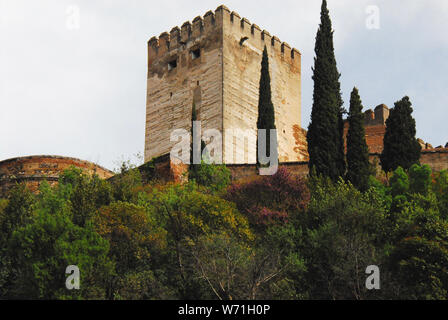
34,170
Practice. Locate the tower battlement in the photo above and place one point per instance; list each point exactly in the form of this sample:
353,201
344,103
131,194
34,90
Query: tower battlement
189,32
214,62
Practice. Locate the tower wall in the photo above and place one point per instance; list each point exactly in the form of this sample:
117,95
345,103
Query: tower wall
243,48
170,93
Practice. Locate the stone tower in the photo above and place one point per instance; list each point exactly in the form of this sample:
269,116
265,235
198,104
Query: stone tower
215,62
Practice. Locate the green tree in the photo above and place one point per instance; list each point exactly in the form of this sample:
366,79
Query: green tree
325,132
418,261
132,236
401,148
358,165
18,211
266,111
345,234
214,177
86,193
420,179
126,185
42,249
441,190
187,214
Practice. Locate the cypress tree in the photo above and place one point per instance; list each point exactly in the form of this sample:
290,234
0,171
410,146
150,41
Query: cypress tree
401,148
358,165
266,112
325,132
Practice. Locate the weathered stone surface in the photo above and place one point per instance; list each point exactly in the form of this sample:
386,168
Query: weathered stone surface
36,169
223,83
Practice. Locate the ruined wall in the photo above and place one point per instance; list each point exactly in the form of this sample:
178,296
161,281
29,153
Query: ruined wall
36,169
170,93
243,48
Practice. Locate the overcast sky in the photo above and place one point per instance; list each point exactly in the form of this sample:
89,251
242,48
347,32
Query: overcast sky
76,87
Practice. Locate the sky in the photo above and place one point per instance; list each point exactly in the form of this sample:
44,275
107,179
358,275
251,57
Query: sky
73,73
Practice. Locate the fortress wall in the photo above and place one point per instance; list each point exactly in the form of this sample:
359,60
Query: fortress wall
374,137
165,170
171,92
34,170
437,159
242,65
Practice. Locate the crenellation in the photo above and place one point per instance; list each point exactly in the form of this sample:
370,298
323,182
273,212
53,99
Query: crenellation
255,30
235,17
286,48
265,36
245,24
185,32
222,14
167,42
164,43
286,52
209,20
222,8
276,44
174,38
153,49
198,27
295,53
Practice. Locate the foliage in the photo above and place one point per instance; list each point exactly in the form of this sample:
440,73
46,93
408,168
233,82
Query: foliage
325,132
271,237
441,191
268,200
401,148
43,248
214,177
187,215
130,232
344,236
127,184
419,261
17,212
358,165
420,179
86,193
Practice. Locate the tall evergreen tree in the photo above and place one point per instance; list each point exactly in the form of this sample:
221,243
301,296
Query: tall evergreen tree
401,148
266,112
358,165
325,132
